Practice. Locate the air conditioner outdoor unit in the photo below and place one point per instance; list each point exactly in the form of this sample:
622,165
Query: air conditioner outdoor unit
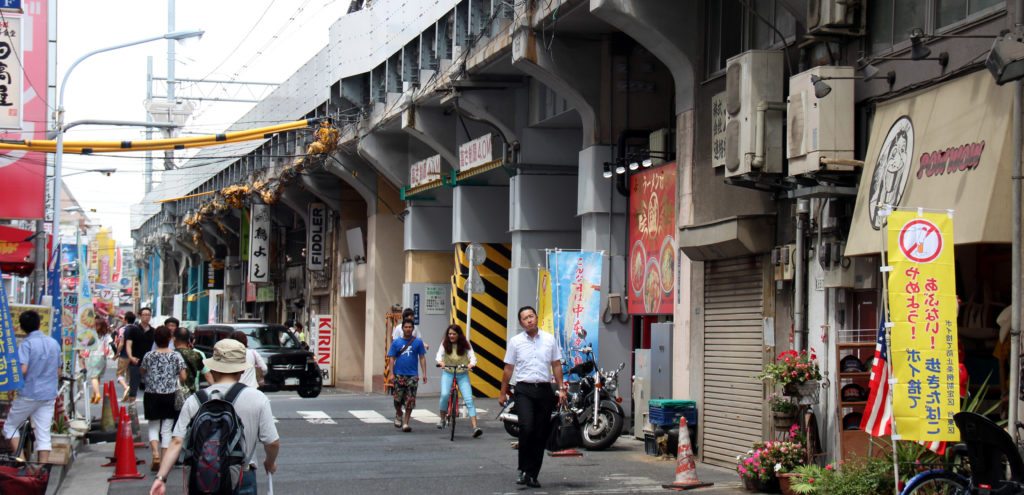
659,146
820,128
834,16
753,97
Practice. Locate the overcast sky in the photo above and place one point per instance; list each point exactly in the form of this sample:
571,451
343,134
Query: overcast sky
245,40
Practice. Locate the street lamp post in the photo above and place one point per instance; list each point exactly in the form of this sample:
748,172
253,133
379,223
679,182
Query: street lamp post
58,156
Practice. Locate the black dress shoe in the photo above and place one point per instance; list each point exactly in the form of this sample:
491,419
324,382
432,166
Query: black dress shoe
531,481
521,478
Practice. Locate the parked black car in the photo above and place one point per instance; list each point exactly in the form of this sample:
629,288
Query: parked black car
289,366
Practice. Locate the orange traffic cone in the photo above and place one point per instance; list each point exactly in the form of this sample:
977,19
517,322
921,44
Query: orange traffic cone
107,423
113,401
566,453
125,453
686,466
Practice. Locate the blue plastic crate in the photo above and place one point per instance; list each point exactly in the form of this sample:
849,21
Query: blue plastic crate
670,416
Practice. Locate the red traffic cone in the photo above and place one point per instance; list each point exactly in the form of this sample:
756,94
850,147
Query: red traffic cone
125,453
566,453
686,465
112,460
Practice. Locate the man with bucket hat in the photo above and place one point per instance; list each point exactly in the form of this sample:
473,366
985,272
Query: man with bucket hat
250,405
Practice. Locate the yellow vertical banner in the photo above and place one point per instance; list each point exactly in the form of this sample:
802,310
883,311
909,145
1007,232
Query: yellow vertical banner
545,314
922,309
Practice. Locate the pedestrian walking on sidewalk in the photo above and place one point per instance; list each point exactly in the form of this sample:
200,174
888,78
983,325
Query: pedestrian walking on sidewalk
251,408
95,357
40,363
138,342
406,353
164,370
122,351
193,365
253,375
456,351
533,359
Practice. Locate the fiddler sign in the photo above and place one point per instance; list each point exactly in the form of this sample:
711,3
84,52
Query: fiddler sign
315,237
475,153
425,171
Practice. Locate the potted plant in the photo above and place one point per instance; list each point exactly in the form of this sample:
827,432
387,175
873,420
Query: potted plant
60,430
797,372
783,411
761,467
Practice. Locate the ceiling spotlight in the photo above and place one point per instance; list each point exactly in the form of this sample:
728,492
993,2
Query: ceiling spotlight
647,163
1006,59
620,168
634,165
918,51
607,170
821,88
870,71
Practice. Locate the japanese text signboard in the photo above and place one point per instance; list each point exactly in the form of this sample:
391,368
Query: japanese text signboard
652,240
475,153
11,74
576,302
718,119
259,244
922,308
10,370
425,171
325,347
316,236
23,112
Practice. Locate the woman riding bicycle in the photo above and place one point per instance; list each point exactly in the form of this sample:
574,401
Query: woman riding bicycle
455,351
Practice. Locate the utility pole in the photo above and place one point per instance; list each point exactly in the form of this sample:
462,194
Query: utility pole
169,154
149,130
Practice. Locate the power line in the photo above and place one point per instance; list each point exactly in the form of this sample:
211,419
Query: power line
240,43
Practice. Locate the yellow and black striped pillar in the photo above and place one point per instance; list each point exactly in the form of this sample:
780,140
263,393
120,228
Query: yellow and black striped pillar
489,310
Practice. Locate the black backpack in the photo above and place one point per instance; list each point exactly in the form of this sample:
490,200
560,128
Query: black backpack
214,444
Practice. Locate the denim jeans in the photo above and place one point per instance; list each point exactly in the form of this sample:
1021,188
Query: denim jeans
464,388
248,484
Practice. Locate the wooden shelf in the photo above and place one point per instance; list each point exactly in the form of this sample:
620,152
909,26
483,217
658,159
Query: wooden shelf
855,345
854,374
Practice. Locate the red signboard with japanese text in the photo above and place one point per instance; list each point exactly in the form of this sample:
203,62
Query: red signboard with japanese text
652,240
23,173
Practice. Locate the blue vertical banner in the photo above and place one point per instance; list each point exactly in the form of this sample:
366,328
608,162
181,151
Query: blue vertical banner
576,291
10,370
54,290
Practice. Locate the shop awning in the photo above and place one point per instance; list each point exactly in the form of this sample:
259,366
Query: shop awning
16,256
948,147
730,237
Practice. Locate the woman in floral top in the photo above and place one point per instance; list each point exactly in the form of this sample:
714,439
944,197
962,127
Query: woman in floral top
164,370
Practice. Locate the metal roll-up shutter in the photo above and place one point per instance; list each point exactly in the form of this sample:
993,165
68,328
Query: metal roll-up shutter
732,413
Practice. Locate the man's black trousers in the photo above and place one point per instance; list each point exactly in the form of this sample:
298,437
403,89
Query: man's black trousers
534,404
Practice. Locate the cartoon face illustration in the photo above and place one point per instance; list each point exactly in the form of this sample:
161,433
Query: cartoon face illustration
892,169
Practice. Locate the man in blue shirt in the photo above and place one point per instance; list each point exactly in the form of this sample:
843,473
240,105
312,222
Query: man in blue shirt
405,354
39,356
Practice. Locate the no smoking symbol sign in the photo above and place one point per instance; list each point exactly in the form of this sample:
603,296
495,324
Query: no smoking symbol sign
921,241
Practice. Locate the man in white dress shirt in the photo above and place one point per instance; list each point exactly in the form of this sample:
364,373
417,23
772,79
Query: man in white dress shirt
533,358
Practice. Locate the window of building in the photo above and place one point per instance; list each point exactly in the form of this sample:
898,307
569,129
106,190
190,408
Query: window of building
890,21
733,29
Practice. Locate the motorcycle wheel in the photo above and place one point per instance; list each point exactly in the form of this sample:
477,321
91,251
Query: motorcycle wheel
605,433
511,428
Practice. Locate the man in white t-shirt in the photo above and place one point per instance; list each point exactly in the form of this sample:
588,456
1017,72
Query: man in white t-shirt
407,314
252,407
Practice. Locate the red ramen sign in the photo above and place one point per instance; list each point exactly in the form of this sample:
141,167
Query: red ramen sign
963,158
652,241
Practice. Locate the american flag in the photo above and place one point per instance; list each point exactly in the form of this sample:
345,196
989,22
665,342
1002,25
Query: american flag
877,420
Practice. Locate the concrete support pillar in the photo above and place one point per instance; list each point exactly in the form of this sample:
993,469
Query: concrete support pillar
384,273
325,188
433,128
686,381
542,216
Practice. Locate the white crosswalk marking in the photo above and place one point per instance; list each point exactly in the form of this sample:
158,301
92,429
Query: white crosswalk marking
425,416
370,417
317,417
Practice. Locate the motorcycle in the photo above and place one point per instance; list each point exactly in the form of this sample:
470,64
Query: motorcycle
595,400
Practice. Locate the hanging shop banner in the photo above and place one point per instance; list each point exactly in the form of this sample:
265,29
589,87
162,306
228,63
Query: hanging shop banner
576,291
69,311
259,244
56,304
316,235
243,235
23,112
325,347
545,317
652,240
425,171
85,319
10,369
475,153
45,318
922,307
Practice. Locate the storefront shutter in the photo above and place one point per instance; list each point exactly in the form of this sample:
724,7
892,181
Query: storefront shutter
733,353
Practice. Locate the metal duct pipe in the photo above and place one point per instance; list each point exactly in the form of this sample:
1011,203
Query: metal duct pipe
1015,297
803,207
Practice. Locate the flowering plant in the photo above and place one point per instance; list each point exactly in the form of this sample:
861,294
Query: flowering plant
767,459
791,368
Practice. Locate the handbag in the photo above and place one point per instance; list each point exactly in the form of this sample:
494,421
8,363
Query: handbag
565,431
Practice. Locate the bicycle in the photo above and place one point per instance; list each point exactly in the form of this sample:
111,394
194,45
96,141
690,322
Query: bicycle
988,450
453,396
